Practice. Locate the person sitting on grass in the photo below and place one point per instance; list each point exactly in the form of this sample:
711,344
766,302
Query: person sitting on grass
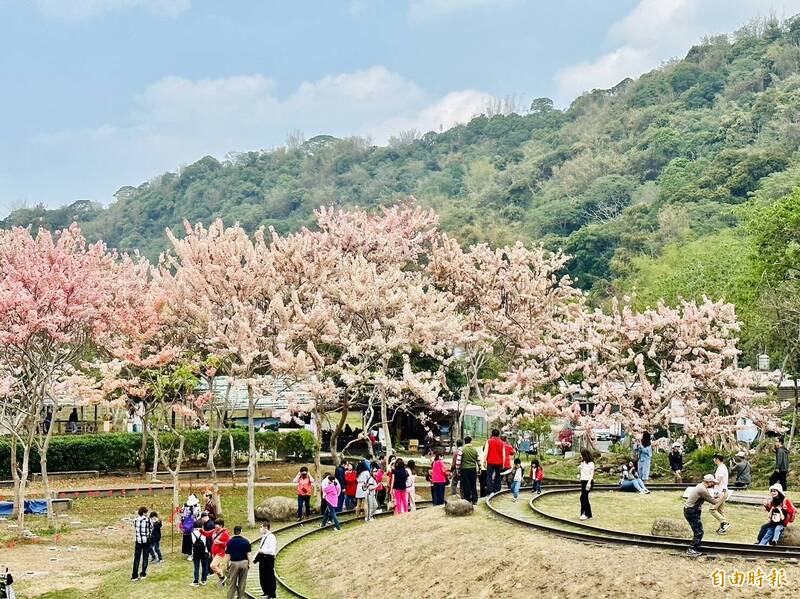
781,514
516,473
629,479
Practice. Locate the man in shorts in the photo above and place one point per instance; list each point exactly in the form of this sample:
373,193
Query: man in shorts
219,540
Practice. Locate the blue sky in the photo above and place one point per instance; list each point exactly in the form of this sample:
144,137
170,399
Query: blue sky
97,94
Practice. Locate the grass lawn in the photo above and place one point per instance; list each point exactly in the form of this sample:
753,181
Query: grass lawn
92,553
633,512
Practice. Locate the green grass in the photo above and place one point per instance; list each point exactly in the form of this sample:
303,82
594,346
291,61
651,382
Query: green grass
633,512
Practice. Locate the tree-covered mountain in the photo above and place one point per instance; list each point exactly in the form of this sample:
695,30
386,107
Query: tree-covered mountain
640,183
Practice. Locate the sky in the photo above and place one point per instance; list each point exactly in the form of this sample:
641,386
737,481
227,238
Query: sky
99,94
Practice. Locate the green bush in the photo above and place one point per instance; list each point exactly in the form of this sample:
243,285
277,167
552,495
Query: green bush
120,451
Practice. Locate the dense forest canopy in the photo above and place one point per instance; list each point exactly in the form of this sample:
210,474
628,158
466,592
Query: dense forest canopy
652,186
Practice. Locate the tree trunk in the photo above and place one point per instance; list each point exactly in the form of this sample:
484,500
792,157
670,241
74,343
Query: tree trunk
143,453
794,415
317,455
19,500
156,456
387,438
462,411
335,433
233,459
251,459
43,449
14,475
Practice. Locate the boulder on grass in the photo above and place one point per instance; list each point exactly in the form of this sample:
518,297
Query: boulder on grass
666,527
790,536
277,509
456,506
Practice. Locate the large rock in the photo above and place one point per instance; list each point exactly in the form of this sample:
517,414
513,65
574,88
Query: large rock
666,527
277,509
455,506
790,536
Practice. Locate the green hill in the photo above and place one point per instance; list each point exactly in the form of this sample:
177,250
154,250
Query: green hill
634,182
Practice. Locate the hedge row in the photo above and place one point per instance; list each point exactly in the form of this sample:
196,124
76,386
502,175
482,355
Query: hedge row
120,451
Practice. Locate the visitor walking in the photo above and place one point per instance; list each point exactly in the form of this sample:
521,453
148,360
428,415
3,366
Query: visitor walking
781,514
644,454
331,492
219,540
73,421
238,549
781,464
208,525
676,462
210,506
721,488
265,558
629,479
380,489
692,510
142,529
411,485
438,478
305,487
350,484
587,481
537,476
515,474
400,487
186,526
455,467
339,473
155,539
494,451
469,472
199,555
741,468
362,476
370,486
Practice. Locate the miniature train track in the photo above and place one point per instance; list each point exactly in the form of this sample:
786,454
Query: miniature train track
580,531
253,591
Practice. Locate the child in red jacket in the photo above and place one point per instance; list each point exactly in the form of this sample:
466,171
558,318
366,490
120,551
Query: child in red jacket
537,474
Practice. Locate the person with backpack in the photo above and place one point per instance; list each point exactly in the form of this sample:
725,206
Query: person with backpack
186,527
155,540
305,487
199,555
219,540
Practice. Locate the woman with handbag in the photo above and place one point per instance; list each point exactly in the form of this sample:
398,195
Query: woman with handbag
265,558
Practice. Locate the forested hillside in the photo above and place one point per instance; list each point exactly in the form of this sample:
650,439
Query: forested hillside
651,186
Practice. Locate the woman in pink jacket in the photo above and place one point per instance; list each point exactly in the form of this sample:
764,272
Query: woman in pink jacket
330,494
438,479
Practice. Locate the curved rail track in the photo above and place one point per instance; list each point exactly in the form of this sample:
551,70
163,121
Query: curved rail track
580,531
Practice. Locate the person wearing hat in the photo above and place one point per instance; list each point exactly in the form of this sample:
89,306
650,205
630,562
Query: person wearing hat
781,514
676,462
741,468
692,510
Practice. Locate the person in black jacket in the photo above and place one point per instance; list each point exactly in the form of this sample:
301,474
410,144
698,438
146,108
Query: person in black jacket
781,464
676,462
155,540
6,590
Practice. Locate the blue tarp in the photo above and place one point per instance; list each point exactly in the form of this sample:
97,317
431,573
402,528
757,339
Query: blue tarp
32,506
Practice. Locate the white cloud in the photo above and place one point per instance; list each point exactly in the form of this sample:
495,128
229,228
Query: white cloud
428,9
76,10
177,120
657,30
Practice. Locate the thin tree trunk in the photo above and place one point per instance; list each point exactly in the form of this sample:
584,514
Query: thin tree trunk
156,456
317,455
794,415
251,459
14,475
387,438
143,453
175,472
233,459
335,433
19,500
43,449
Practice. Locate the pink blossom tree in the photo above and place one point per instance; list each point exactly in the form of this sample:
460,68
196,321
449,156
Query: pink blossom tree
674,363
58,296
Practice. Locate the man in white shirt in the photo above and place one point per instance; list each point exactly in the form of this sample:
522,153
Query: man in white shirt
265,556
720,488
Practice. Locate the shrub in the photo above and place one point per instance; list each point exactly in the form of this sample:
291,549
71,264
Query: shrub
120,451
